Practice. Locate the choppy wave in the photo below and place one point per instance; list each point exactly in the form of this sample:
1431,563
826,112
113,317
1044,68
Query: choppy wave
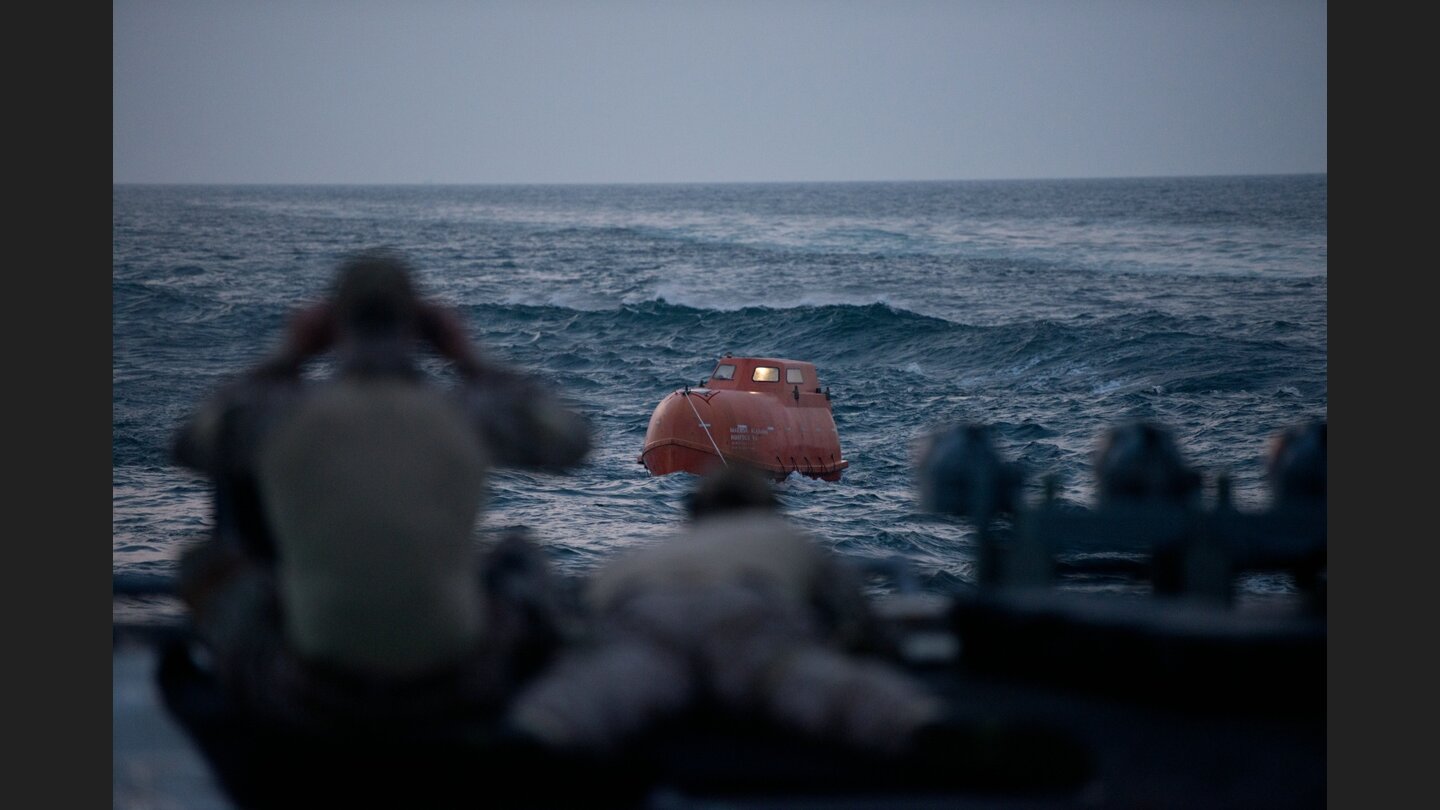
1048,311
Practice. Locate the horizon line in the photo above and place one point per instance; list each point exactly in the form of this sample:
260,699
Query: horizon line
706,182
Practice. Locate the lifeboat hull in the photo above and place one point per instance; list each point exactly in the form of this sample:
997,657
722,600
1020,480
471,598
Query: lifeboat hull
778,426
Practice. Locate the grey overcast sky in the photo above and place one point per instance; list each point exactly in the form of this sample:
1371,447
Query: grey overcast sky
632,91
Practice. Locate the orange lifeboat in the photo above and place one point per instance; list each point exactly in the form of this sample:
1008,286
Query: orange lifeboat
767,413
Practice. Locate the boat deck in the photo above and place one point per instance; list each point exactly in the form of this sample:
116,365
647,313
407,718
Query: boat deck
154,766
1242,725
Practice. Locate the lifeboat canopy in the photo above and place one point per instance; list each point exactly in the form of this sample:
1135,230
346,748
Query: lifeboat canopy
768,413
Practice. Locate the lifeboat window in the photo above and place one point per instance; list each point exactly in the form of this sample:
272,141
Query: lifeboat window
724,371
794,375
766,374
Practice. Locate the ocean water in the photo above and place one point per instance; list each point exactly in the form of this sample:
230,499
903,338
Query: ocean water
1047,310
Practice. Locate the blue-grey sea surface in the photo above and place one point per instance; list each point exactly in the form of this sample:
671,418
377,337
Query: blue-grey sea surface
1047,310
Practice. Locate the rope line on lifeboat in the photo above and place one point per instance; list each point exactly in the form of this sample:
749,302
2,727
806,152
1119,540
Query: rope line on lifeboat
706,428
